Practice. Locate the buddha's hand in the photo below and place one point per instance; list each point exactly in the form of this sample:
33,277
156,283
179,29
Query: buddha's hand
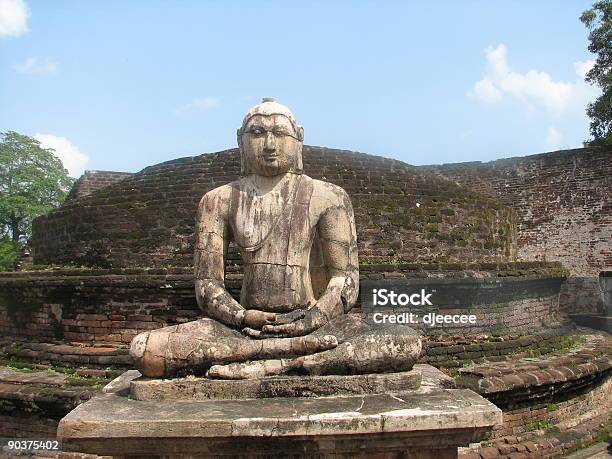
288,317
255,319
280,319
312,320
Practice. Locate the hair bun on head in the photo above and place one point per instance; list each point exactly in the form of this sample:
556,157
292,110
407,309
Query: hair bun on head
268,107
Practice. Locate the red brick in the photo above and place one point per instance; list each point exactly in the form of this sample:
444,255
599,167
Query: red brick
506,449
531,446
489,453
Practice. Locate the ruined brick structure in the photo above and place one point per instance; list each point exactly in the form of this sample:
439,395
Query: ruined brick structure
564,203
91,181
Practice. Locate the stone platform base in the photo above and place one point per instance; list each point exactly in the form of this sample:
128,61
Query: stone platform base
430,422
195,388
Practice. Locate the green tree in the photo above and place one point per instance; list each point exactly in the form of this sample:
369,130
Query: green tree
9,252
598,19
32,182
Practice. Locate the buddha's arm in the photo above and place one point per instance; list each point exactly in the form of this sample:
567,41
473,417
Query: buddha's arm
212,239
339,246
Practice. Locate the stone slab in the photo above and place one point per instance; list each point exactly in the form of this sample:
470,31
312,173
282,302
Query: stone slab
424,419
121,384
198,388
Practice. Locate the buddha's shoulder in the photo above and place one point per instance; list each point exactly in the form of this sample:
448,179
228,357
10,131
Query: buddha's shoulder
328,192
217,195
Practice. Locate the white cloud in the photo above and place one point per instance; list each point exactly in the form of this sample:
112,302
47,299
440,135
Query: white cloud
73,159
14,16
534,87
553,139
35,66
486,91
583,67
199,104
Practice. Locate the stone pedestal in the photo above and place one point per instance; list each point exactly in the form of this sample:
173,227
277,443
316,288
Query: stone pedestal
194,388
429,422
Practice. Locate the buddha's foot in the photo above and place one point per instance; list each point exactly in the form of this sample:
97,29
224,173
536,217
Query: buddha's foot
250,370
315,363
273,366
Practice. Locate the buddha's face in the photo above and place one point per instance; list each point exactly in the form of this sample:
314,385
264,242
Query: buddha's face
270,145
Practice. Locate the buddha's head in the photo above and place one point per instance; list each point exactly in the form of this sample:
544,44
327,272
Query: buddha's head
270,140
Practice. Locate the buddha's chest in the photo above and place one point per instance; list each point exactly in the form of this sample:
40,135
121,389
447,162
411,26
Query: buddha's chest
273,227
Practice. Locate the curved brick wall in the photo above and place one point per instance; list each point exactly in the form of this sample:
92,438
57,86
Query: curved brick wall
148,219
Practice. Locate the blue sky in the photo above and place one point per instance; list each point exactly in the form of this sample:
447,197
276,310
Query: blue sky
121,85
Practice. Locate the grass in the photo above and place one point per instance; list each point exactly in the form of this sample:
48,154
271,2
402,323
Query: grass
72,377
538,425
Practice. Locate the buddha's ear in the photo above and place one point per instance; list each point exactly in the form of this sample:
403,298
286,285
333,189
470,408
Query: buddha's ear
243,165
300,133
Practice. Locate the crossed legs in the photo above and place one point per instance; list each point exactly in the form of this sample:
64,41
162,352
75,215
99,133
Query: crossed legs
347,345
195,346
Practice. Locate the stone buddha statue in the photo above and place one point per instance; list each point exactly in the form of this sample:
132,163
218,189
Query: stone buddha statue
301,275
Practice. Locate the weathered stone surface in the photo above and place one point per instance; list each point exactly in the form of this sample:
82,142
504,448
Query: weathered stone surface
196,388
40,393
425,419
591,320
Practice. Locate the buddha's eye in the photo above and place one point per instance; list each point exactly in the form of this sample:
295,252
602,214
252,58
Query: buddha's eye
280,133
256,131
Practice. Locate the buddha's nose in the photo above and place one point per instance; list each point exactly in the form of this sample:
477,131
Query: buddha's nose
270,142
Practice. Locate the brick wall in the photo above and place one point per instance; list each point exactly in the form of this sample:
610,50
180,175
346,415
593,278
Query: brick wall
148,219
562,200
564,203
92,181
570,404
